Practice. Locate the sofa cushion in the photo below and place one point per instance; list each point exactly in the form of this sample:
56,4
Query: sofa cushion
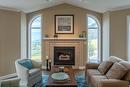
114,59
91,72
26,63
127,65
104,66
95,79
117,71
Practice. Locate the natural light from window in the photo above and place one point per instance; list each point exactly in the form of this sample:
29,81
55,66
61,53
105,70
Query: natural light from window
93,40
36,39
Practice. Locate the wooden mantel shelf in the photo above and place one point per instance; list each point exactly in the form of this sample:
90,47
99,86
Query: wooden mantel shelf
64,39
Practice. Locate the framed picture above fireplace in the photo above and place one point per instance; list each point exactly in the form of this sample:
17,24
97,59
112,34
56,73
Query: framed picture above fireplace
64,24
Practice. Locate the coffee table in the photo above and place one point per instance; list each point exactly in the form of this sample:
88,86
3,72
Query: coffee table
71,81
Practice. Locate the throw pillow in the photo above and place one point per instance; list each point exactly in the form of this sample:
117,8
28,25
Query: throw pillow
104,66
26,63
117,71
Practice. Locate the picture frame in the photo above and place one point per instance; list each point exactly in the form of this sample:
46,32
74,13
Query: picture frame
64,24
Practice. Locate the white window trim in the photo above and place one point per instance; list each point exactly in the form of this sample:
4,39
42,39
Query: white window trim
99,35
128,38
29,34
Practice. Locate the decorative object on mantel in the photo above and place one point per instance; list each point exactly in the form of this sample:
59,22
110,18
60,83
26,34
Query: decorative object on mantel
84,33
80,35
55,35
46,35
64,24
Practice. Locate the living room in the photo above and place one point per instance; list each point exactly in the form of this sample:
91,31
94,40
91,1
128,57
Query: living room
17,22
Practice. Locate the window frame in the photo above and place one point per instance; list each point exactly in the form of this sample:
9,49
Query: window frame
29,51
99,36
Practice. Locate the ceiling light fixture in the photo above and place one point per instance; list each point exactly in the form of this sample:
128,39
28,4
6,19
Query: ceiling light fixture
48,0
83,0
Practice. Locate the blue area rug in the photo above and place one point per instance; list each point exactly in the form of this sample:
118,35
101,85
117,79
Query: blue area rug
81,82
44,80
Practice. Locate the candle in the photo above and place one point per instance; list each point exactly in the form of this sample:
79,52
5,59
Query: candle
50,60
46,57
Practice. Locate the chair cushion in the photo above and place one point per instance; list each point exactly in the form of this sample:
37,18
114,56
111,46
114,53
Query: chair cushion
33,71
26,63
104,66
117,71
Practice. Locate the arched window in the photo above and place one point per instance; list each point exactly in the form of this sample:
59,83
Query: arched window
93,39
35,38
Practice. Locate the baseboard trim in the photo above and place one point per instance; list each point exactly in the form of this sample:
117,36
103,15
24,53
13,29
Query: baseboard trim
8,76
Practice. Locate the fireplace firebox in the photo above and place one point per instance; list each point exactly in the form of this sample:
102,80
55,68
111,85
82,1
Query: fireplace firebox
64,55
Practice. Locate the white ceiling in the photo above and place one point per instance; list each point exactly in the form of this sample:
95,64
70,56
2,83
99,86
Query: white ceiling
95,5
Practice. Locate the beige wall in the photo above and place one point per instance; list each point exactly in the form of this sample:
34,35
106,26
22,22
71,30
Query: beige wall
79,18
118,33
9,41
117,26
80,23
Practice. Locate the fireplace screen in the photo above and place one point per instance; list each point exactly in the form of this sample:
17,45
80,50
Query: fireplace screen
64,55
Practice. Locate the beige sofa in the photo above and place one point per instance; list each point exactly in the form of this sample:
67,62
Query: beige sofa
96,79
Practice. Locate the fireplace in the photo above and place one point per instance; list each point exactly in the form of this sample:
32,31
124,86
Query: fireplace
64,55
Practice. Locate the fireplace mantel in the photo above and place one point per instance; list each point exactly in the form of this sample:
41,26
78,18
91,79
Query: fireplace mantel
78,43
64,39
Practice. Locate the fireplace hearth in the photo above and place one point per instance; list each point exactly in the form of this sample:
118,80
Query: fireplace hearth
64,55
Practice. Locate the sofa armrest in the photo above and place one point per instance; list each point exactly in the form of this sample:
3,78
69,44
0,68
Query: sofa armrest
113,83
14,82
36,64
92,66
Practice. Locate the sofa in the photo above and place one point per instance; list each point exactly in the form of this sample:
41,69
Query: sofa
29,72
116,75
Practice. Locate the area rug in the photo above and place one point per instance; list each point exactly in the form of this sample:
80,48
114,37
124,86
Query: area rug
81,82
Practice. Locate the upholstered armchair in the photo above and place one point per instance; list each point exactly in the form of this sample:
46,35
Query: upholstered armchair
29,72
12,82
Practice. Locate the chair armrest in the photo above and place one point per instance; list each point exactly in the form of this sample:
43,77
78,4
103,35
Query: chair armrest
113,83
92,66
22,72
36,64
14,82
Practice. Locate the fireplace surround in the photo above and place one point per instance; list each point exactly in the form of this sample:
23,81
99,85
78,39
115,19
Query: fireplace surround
78,43
64,55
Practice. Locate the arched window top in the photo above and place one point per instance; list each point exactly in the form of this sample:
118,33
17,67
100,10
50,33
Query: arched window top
92,23
93,27
35,38
36,22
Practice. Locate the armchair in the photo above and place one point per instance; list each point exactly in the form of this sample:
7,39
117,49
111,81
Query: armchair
29,72
12,82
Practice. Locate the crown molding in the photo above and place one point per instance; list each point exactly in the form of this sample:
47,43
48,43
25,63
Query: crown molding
120,8
9,9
